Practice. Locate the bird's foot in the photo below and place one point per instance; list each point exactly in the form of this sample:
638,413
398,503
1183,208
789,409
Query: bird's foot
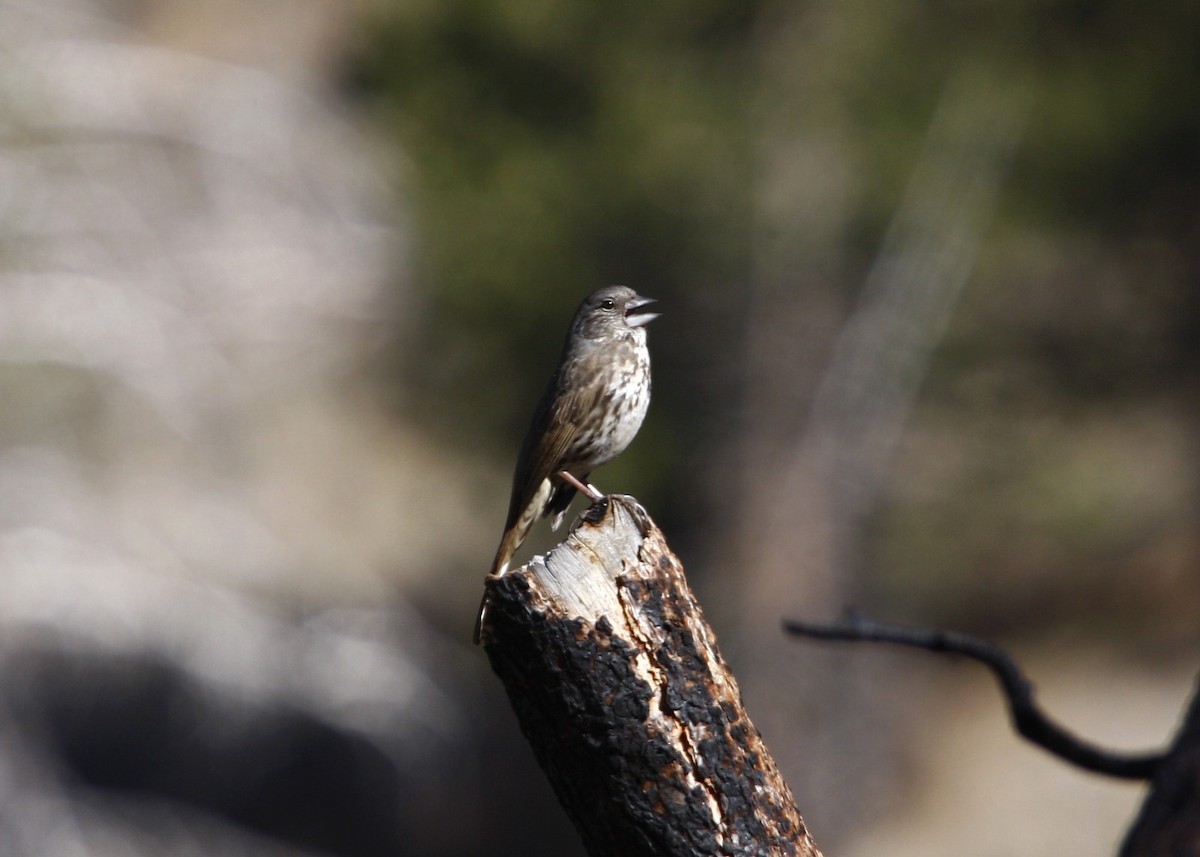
588,490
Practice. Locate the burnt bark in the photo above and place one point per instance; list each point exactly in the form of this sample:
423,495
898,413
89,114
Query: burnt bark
1168,824
632,713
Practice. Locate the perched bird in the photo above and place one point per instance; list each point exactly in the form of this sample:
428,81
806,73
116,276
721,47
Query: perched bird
590,411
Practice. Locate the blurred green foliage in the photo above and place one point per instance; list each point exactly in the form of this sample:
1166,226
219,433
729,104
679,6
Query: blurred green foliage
557,147
554,147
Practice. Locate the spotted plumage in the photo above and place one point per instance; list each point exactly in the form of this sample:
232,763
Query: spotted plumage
589,413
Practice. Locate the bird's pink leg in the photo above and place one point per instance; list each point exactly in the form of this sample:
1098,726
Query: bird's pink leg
588,491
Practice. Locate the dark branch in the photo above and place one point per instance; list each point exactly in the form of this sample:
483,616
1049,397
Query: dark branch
1168,822
1027,718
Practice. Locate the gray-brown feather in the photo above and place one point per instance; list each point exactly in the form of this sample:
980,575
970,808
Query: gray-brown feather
587,415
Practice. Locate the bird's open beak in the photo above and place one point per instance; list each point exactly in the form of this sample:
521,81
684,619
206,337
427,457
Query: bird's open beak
637,319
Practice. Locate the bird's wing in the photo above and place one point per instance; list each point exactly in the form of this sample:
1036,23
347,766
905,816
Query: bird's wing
556,425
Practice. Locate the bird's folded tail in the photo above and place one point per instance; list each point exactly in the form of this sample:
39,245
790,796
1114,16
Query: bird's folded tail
513,536
508,546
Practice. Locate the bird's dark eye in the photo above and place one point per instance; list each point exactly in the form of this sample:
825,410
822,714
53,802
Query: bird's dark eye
608,303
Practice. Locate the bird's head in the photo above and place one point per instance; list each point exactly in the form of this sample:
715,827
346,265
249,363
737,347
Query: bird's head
612,312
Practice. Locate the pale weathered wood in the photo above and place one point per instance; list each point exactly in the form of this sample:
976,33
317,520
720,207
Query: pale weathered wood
636,719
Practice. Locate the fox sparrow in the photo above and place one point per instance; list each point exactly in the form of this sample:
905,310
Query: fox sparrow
590,411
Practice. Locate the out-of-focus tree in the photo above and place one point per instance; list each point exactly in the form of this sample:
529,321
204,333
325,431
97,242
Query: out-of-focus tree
552,147
1022,445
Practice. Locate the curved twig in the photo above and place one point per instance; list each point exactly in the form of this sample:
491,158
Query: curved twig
1027,718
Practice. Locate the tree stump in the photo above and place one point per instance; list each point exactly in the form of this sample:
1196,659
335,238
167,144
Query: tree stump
632,713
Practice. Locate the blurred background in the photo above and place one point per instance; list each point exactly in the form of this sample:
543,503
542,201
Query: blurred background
281,282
